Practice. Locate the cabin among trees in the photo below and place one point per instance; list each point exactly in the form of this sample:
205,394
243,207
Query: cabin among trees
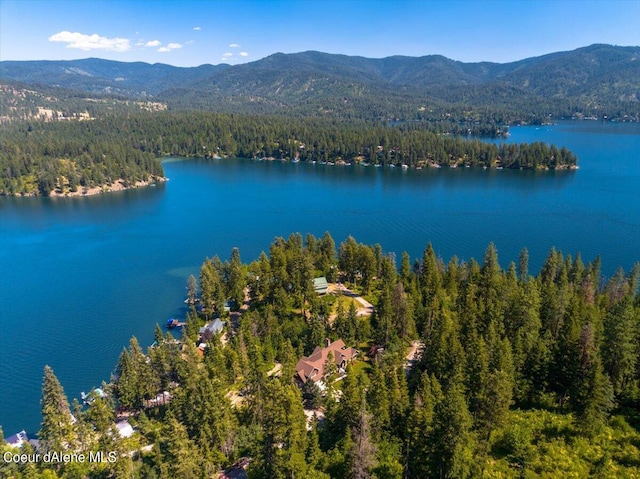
206,332
320,364
320,285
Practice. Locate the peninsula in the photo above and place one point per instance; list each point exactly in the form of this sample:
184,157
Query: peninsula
77,158
445,369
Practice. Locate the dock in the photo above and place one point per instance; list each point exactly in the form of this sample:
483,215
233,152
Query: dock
174,323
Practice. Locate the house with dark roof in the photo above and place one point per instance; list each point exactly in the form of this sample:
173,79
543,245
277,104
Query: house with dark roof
311,368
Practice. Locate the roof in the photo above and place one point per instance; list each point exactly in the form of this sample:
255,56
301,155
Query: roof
320,285
312,367
17,439
124,429
215,327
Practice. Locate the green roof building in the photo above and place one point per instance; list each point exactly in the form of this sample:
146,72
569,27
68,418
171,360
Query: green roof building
320,285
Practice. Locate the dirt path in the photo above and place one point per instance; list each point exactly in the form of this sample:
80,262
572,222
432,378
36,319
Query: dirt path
413,355
365,309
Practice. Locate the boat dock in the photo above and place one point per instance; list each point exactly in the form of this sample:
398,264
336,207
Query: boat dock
174,323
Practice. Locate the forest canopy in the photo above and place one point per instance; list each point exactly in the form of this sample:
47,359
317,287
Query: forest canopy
466,369
40,158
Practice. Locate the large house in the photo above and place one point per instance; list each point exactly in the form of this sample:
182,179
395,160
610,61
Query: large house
311,368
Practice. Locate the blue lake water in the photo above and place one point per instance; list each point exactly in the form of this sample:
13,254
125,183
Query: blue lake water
80,276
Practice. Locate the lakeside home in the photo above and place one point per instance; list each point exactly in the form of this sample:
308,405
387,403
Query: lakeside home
311,368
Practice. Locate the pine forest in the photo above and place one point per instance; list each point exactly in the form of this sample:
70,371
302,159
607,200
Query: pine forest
439,369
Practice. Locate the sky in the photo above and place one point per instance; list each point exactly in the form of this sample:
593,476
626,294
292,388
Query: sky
194,32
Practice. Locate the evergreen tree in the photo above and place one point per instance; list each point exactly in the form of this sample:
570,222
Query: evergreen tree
284,428
101,412
591,393
207,417
327,257
379,400
57,432
361,457
236,280
158,336
419,460
620,344
399,399
212,290
452,437
192,289
180,455
403,313
523,265
136,379
355,329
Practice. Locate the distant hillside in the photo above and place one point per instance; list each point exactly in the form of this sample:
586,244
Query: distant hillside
28,102
595,80
95,75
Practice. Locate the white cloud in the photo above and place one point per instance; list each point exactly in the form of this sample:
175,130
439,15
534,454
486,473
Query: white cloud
227,55
197,29
91,42
152,43
169,47
234,45
244,54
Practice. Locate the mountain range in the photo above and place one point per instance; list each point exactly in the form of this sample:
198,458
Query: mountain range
594,80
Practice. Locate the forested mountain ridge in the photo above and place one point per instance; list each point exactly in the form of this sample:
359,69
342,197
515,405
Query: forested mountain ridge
95,75
596,80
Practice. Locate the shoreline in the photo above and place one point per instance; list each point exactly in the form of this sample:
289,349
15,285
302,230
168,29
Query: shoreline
117,185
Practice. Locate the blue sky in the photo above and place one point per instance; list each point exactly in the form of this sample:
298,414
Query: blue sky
189,33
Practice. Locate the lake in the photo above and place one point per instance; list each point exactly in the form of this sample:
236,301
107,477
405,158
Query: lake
80,276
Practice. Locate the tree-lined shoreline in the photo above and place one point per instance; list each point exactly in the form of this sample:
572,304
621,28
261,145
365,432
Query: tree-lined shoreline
52,159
